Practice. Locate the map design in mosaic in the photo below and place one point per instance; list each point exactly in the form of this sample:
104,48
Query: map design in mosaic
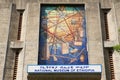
63,35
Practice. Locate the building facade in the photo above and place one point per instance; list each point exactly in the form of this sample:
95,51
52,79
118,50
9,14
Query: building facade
49,31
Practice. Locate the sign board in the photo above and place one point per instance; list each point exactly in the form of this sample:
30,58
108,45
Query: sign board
64,69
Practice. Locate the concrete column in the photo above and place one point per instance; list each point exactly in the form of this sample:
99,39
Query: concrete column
5,14
10,55
94,35
32,36
116,55
117,16
112,27
116,60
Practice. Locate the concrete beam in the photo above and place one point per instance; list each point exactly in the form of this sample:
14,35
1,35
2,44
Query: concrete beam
109,44
5,15
16,44
32,36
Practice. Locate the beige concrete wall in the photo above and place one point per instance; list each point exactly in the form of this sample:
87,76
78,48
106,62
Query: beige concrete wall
94,36
30,32
95,44
5,14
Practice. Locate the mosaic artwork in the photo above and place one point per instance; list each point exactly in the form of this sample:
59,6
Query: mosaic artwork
62,35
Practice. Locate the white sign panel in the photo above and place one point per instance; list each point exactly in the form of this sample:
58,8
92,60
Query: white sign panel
64,69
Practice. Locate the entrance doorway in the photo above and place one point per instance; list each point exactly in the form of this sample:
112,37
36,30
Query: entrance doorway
65,76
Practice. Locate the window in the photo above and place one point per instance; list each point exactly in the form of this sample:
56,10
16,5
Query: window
106,27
